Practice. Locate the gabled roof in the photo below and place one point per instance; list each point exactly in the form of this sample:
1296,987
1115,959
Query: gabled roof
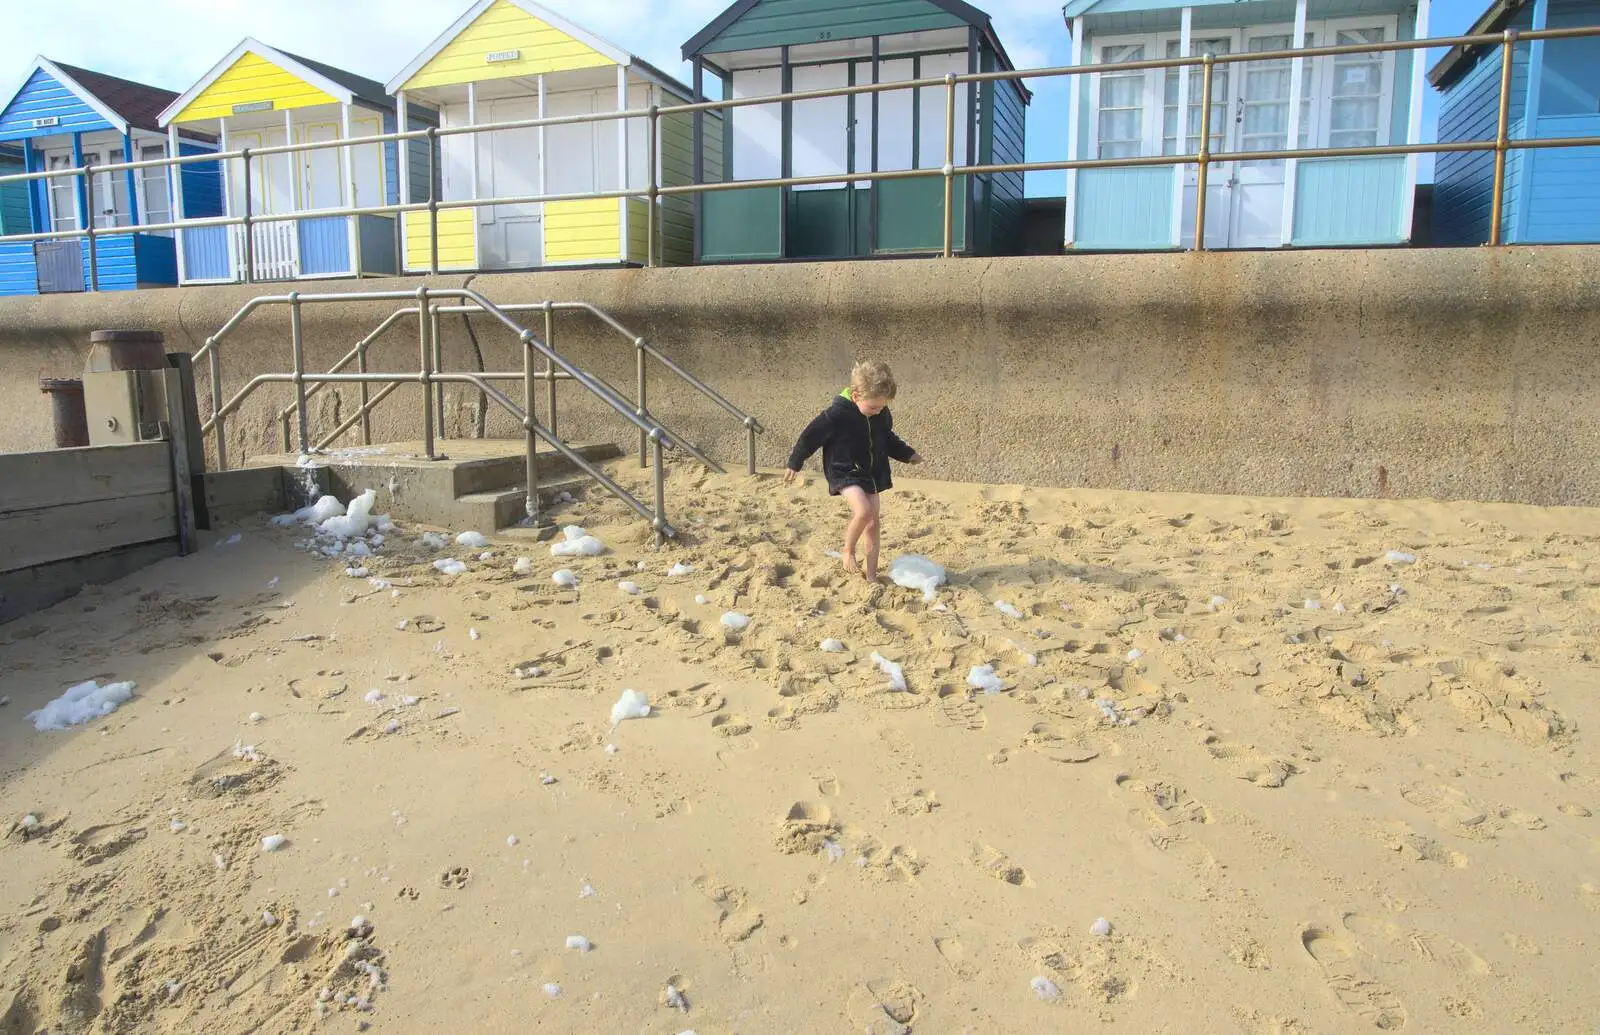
121,103
1458,60
345,87
964,11
599,44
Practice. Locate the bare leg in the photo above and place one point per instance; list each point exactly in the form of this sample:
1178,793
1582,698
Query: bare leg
871,534
860,517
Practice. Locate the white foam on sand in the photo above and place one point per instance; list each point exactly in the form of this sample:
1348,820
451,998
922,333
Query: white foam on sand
80,704
450,567
920,573
631,705
735,622
982,677
577,543
354,522
565,579
896,674
320,511
472,540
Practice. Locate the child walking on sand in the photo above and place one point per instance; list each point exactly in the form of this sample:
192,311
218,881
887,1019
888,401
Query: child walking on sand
857,439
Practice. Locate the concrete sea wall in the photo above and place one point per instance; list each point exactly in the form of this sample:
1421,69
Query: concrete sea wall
1396,373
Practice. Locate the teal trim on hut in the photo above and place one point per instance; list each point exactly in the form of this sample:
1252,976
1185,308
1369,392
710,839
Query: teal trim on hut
760,48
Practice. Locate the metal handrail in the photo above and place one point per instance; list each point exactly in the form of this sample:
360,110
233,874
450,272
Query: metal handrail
1500,145
643,349
655,435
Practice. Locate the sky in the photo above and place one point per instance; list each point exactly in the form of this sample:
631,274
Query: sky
172,43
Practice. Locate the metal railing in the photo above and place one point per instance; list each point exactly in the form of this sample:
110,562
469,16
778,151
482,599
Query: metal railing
654,436
653,192
643,351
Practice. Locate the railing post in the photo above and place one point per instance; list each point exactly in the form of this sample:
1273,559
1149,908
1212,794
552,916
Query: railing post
297,347
1203,167
433,199
650,216
427,372
94,258
643,411
949,163
249,236
1502,139
438,368
216,404
529,393
660,522
283,427
750,444
550,366
366,417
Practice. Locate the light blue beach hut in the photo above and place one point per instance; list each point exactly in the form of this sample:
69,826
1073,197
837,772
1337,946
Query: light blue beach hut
1349,100
60,117
1552,195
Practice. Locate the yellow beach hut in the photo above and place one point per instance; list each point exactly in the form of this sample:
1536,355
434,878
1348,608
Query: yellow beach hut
261,97
513,61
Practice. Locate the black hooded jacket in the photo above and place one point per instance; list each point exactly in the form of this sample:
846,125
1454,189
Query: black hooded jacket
856,449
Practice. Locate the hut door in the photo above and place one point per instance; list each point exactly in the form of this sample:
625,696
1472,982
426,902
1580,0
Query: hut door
1262,114
508,167
1219,177
821,216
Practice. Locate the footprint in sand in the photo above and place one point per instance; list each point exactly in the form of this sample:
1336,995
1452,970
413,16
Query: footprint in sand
1453,810
1420,848
1171,840
917,803
737,919
805,828
997,865
958,710
896,865
1000,756
695,700
827,784
954,955
1049,742
1246,764
884,1008
1173,801
782,718
1355,989
1430,946
730,725
456,877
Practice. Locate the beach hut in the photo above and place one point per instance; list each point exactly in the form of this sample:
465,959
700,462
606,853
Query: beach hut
764,47
261,97
60,117
1551,196
512,61
1350,100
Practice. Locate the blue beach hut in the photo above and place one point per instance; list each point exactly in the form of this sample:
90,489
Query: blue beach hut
1552,196
61,116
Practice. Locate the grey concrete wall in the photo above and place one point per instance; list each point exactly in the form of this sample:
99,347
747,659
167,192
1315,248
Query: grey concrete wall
1459,373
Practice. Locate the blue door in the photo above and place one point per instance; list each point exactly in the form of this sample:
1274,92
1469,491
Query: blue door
60,265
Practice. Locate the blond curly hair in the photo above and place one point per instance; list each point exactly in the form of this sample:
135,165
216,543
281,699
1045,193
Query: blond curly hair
872,379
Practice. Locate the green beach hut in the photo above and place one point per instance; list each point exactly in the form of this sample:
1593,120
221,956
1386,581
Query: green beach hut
759,48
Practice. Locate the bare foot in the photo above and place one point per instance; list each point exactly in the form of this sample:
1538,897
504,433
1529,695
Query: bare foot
850,562
870,576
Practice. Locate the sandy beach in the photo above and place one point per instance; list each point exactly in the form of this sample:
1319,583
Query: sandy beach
1253,766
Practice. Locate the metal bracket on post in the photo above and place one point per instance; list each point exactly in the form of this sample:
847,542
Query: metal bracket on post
426,377
643,411
650,216
88,192
1502,139
1204,155
660,522
949,163
249,237
298,350
433,199
549,365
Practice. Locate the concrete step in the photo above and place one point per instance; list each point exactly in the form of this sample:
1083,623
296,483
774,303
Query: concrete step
503,508
472,483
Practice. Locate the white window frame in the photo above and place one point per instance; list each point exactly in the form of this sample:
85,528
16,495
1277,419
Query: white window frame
1318,70
1151,96
1236,38
142,184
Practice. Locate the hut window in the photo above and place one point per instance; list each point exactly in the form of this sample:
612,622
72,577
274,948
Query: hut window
1357,94
155,200
1220,77
758,129
1570,82
1121,107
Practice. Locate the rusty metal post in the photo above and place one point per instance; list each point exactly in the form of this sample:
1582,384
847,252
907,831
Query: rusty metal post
1203,167
1502,139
